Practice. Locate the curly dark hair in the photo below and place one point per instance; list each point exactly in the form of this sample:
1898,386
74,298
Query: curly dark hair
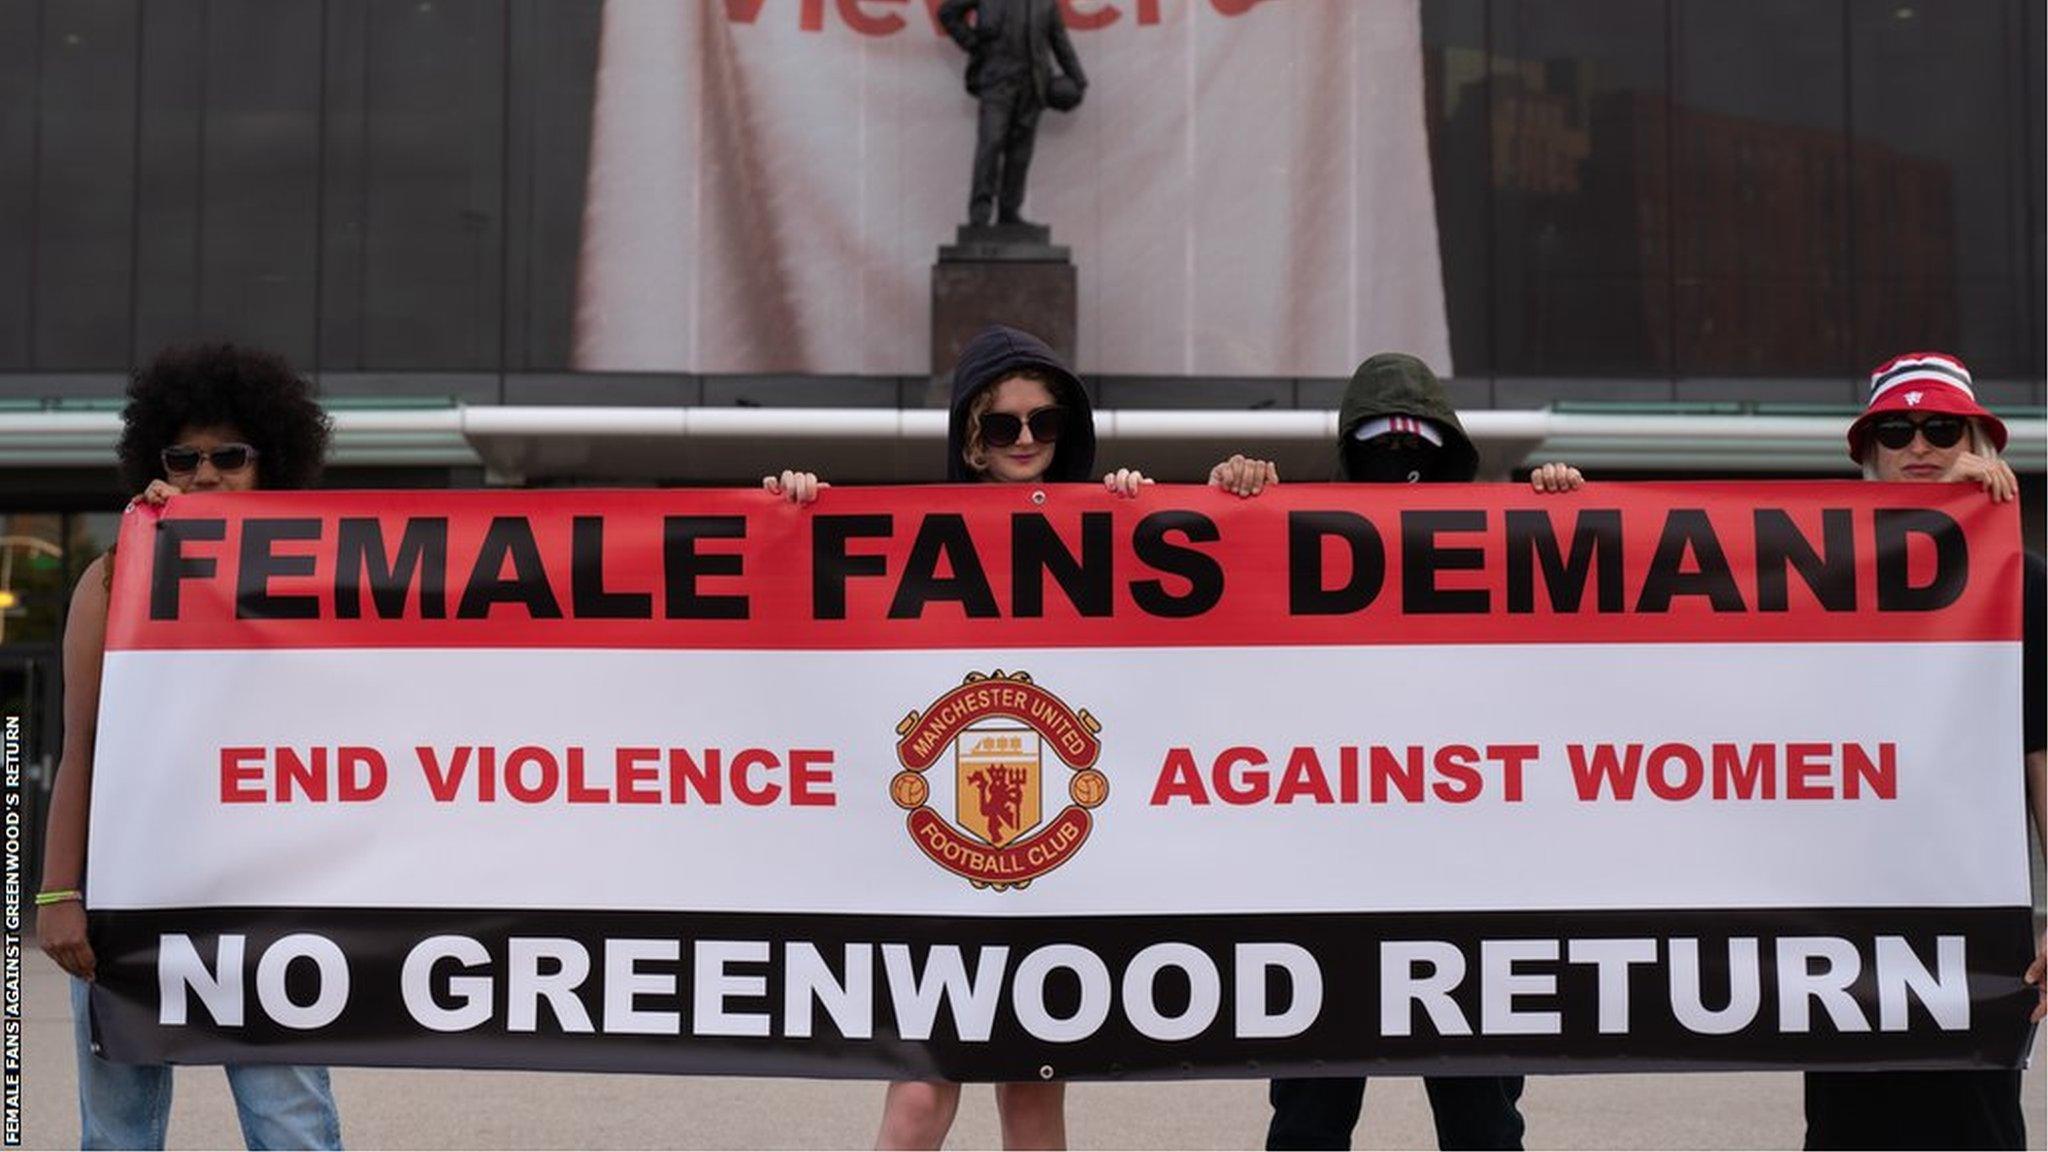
204,385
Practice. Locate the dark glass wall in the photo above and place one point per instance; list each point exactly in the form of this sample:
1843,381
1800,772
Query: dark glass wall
1627,190
1737,188
366,185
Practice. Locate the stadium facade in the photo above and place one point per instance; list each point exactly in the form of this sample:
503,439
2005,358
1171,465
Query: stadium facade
1670,238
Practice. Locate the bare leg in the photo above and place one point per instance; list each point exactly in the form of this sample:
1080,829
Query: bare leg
917,1114
1033,1115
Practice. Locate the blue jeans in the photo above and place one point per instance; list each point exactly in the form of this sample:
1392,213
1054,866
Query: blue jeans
129,1105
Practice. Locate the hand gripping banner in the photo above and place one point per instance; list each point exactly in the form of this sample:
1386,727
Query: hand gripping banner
1007,782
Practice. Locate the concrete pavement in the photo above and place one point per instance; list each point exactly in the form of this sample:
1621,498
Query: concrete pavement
408,1108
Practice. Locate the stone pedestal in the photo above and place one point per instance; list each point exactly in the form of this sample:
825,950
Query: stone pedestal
1000,274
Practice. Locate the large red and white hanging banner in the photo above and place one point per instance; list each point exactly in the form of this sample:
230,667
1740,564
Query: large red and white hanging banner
1246,189
1005,782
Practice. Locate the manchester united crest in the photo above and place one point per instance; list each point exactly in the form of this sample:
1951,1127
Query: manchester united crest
1002,734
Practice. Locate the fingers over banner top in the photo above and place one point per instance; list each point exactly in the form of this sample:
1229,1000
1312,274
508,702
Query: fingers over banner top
1024,567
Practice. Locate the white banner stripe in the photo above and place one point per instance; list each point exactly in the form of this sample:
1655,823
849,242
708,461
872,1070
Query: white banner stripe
1952,834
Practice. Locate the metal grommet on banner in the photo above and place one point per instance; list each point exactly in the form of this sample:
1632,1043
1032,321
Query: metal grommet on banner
1038,497
1045,1072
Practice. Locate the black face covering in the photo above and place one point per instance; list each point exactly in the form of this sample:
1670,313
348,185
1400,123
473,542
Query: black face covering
1379,462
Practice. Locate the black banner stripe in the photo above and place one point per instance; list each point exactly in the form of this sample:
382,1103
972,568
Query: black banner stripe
1935,988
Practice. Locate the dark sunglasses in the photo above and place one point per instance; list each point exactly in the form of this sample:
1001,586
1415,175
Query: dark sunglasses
1001,429
1895,432
178,459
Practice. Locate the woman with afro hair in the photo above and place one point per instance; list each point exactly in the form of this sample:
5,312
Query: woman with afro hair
207,418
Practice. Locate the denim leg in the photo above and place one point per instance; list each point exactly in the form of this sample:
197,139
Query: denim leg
285,1106
119,1105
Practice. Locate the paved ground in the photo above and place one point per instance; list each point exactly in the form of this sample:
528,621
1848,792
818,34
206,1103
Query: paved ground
385,1108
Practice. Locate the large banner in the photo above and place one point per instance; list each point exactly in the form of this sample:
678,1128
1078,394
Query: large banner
1007,782
1246,189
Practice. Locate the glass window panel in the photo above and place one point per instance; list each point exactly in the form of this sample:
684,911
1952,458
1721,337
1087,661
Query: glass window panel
85,172
18,44
33,589
343,172
554,61
2035,135
419,133
1938,233
89,535
1581,188
1760,202
168,204
1456,104
259,173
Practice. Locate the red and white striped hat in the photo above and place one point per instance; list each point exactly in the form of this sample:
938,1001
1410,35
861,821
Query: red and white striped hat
1380,426
1921,382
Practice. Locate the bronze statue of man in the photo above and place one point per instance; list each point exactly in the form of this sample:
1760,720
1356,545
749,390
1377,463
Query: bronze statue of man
1011,46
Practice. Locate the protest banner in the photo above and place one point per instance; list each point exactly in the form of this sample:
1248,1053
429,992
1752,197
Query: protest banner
1008,782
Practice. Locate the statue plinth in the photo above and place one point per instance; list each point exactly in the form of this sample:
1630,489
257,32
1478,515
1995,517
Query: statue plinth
1026,243
1001,274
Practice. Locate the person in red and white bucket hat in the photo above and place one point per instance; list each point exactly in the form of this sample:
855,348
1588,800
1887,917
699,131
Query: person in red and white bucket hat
1923,423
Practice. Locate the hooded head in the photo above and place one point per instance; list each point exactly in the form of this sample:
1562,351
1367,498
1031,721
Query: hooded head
1397,425
997,353
1921,382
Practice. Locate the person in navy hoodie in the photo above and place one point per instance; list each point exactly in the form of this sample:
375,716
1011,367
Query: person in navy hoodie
1019,416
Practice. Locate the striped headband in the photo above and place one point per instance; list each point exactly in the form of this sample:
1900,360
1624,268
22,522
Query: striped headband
1415,425
1926,369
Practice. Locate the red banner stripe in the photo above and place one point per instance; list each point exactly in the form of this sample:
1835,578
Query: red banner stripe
1020,567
